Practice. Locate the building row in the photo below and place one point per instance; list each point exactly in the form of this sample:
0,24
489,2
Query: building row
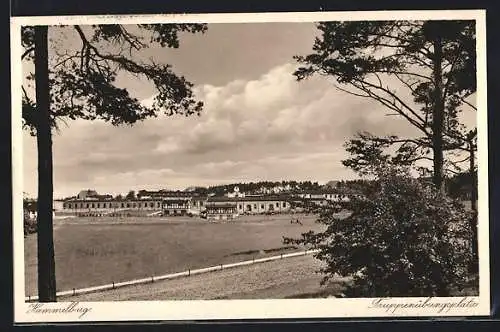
172,203
226,208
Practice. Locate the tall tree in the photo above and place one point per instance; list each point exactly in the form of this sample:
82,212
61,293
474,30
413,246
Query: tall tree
423,71
130,195
46,263
81,84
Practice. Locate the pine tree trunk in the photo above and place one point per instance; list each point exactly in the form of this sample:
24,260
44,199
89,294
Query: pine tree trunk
46,263
473,198
438,115
472,172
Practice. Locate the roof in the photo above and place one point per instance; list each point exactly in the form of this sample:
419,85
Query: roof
164,193
221,205
249,198
175,201
88,192
199,198
221,202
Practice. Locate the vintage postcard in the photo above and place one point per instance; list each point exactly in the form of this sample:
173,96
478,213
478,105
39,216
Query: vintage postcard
250,166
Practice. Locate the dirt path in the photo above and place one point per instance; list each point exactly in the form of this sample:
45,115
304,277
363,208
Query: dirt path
285,278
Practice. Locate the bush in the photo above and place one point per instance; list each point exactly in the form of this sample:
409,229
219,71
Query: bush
402,238
30,225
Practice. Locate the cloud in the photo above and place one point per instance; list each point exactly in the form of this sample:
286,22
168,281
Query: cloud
272,128
275,109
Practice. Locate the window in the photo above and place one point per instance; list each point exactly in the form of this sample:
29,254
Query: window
123,205
93,205
128,205
98,205
87,205
152,204
277,205
262,206
255,206
240,206
284,204
134,205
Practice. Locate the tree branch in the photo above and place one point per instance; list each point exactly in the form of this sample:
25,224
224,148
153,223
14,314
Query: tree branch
133,41
351,92
392,104
408,85
405,73
25,94
27,52
468,104
417,159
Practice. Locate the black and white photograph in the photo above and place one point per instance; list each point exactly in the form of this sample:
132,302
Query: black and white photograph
233,166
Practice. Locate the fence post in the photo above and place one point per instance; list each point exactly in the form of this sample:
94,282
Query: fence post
29,297
281,255
221,267
113,285
189,272
74,292
152,279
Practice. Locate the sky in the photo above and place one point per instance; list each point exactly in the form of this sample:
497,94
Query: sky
258,122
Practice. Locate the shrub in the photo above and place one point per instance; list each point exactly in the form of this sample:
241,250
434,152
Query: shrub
30,225
402,238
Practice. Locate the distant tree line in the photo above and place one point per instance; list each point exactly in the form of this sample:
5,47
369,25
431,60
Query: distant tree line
254,187
459,186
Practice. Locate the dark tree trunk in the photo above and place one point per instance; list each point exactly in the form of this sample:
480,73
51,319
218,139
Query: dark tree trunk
438,114
46,263
473,201
472,172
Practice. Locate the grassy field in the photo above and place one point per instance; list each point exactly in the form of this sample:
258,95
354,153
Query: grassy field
95,251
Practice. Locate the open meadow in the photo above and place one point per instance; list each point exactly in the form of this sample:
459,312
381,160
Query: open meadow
96,251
